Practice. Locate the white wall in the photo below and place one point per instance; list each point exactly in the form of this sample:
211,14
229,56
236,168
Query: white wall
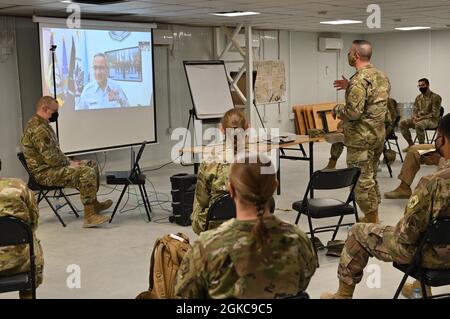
409,56
10,118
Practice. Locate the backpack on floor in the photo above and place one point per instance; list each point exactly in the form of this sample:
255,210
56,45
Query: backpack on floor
168,252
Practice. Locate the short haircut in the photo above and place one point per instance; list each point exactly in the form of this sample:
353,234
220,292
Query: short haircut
444,126
102,55
45,101
425,80
364,49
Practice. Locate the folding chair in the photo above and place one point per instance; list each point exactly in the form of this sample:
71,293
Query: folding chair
43,191
13,232
300,295
222,209
127,178
437,234
441,114
329,207
393,137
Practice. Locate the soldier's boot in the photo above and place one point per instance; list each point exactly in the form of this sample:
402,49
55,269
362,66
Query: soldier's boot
402,191
25,294
91,218
344,292
331,164
370,217
408,289
100,206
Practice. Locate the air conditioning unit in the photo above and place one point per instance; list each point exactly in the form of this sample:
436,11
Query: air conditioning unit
326,44
162,37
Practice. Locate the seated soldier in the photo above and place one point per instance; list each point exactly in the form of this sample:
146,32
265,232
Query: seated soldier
17,200
51,167
255,255
399,243
425,114
213,174
411,166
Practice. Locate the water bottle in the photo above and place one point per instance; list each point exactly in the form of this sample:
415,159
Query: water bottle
416,294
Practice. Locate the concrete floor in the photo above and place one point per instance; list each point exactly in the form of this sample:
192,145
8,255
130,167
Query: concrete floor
114,260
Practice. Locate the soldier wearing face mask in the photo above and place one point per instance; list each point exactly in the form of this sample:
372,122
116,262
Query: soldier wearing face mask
51,167
425,114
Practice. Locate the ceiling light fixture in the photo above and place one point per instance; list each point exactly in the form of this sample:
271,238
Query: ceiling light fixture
339,22
412,28
235,13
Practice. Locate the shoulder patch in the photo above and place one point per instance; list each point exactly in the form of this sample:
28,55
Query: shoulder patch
413,201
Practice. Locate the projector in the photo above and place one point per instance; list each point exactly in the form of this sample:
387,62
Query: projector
98,2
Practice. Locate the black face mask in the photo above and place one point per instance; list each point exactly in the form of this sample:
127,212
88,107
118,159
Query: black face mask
54,117
423,90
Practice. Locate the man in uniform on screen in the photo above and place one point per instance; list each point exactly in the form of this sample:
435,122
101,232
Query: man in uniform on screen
102,93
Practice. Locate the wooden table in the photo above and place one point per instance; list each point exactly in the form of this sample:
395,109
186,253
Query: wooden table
298,140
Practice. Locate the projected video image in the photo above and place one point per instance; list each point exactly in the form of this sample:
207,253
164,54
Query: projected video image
125,64
98,69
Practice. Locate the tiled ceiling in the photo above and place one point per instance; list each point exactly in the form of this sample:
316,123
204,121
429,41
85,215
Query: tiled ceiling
296,15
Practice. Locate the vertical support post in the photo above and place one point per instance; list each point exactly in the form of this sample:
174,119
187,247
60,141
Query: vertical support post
249,70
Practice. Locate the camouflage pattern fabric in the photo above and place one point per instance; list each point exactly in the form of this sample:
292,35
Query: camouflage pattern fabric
426,109
226,263
431,198
50,166
336,150
420,128
391,116
17,200
365,108
413,160
211,184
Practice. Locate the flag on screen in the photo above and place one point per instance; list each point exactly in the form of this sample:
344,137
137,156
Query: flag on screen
70,94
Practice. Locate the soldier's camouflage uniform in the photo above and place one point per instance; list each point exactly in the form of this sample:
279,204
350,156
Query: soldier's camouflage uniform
431,198
426,109
364,115
391,115
225,263
211,184
17,200
50,166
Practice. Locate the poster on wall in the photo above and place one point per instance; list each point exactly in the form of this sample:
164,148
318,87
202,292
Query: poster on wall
270,84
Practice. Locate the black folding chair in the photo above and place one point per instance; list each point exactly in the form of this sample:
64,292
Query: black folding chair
13,232
300,295
43,191
437,234
329,207
392,139
441,114
127,178
222,209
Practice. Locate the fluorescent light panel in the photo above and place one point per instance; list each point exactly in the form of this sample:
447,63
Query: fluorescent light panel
235,13
338,22
412,28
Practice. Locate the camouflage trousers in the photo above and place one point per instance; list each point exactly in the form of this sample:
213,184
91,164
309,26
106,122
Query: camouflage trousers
420,128
367,192
16,260
413,160
364,241
85,178
336,150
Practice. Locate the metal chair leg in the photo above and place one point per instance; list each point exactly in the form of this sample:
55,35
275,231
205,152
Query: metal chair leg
400,287
54,210
311,232
72,207
399,151
298,218
422,286
118,203
337,227
145,201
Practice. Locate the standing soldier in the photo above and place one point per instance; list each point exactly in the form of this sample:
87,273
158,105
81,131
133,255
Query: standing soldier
425,114
51,167
363,114
17,200
399,243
